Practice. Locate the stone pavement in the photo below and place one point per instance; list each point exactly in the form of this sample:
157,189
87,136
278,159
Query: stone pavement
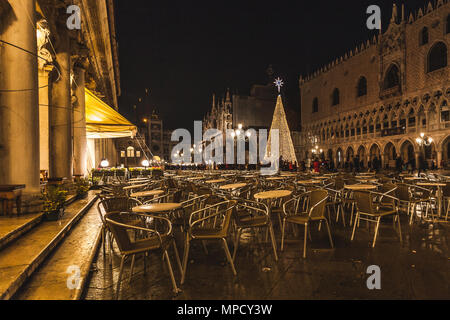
416,269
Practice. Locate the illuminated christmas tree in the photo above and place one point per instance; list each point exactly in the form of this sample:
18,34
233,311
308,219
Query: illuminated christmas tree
286,147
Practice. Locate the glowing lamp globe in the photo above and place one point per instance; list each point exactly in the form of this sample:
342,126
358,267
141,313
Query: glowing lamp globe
104,163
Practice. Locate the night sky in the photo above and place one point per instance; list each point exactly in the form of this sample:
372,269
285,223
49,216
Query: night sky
183,51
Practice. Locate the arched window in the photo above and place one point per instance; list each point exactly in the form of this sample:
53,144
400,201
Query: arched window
362,87
423,37
315,106
448,24
130,152
437,57
392,78
335,99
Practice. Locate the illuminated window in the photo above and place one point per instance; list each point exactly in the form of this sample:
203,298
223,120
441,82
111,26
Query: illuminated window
130,152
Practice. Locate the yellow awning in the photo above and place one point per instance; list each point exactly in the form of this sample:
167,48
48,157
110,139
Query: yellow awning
102,121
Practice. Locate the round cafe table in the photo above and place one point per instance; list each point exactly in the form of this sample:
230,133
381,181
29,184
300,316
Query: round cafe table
233,186
195,178
270,196
275,178
359,187
147,193
309,181
273,194
157,207
215,181
135,186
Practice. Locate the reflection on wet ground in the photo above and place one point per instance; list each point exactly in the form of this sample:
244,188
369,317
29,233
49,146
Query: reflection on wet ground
416,269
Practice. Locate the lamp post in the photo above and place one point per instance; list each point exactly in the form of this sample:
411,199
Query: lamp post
423,141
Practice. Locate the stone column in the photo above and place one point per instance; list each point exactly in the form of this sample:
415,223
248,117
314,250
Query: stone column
439,159
61,112
79,120
44,93
417,154
19,112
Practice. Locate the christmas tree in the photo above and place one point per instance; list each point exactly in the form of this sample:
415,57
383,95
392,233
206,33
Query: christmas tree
286,147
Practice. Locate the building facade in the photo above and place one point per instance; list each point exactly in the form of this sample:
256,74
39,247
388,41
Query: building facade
45,67
377,99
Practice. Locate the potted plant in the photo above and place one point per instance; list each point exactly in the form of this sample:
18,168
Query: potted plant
54,200
82,187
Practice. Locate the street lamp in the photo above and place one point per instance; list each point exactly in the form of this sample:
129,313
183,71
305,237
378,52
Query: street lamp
104,163
145,163
423,140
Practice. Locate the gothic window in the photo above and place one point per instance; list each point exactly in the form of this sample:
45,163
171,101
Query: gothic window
437,57
445,112
411,118
423,39
315,106
122,154
448,24
362,87
392,78
335,97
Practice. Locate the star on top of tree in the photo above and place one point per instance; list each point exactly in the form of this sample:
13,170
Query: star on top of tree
278,83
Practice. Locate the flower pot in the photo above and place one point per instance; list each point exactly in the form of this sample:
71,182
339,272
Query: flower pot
54,215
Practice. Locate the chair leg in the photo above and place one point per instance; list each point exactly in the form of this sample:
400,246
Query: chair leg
177,256
204,247
236,243
172,277
399,228
274,243
227,252
282,234
304,242
354,226
329,233
413,211
132,267
376,232
120,277
185,258
343,217
448,208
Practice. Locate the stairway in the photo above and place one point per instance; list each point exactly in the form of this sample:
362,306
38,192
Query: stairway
35,254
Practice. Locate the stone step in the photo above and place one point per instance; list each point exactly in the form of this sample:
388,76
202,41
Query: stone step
22,257
56,278
12,228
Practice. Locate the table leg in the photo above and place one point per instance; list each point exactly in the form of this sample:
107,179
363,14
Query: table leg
19,204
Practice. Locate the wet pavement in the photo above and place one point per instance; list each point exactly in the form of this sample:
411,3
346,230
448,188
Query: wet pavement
416,269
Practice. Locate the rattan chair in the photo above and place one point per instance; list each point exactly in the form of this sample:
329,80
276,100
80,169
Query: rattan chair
253,215
369,211
294,213
154,240
210,223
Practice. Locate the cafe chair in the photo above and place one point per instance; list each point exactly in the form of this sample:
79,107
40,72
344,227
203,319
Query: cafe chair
154,240
210,223
315,211
253,215
110,205
369,211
